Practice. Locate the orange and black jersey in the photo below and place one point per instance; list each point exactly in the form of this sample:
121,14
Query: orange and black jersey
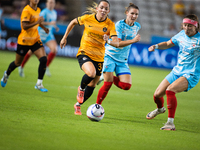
92,43
30,36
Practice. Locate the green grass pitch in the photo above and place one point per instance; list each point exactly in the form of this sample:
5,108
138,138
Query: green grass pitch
32,120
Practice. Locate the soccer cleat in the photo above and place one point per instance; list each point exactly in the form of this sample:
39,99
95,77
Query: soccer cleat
47,72
80,95
154,113
4,79
21,71
100,80
77,110
41,88
168,126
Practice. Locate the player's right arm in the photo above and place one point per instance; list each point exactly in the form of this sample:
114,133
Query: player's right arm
162,46
26,24
71,25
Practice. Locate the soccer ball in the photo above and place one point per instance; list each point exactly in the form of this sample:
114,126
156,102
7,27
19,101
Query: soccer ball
95,112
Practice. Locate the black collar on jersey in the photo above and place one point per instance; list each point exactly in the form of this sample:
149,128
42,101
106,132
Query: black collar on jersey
98,20
32,8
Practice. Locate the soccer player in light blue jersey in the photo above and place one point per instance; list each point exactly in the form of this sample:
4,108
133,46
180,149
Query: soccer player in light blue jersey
185,75
50,17
116,54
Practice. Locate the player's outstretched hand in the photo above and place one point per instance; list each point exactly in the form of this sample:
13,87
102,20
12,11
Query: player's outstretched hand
63,42
151,48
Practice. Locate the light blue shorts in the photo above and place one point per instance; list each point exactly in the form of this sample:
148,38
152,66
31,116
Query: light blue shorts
192,80
46,37
111,65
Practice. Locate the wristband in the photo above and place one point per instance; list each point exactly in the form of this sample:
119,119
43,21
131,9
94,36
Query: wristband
156,46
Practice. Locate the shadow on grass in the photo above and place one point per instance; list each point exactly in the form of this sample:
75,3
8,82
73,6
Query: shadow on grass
135,120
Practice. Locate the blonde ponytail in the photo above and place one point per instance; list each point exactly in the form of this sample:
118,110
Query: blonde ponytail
91,9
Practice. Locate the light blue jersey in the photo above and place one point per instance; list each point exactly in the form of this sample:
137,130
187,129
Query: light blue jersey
49,16
188,55
188,64
124,32
115,59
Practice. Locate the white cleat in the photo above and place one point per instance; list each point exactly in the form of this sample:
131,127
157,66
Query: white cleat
168,126
154,113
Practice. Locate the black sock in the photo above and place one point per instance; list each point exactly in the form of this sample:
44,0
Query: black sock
88,92
42,67
11,67
85,81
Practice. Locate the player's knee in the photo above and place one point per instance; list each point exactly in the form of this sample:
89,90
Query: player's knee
156,95
18,64
125,86
171,88
43,60
91,73
55,51
159,93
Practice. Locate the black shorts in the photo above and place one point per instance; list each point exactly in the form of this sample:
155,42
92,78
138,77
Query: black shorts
23,49
98,65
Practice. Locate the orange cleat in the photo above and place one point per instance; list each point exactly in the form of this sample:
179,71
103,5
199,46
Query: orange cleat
77,110
80,95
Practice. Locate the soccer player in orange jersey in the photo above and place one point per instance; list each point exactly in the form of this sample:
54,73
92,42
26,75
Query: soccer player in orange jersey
91,52
29,39
50,17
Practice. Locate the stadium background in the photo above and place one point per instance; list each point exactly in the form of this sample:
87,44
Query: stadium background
155,17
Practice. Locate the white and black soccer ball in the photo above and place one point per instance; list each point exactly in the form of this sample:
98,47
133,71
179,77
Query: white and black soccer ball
95,112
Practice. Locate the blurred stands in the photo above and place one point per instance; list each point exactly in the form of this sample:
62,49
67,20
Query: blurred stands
155,15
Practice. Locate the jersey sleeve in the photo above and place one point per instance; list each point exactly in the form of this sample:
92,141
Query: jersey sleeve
81,19
138,24
113,31
26,15
118,30
174,39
